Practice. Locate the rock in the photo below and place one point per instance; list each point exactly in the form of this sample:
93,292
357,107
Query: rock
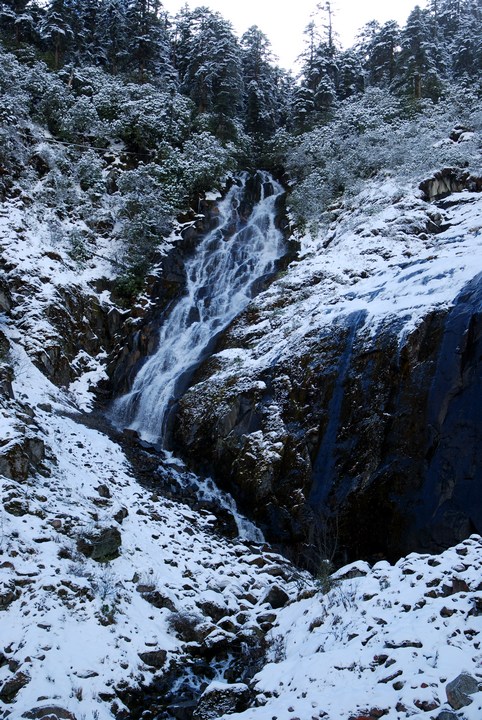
447,715
400,417
276,597
19,454
154,658
183,710
458,690
49,712
477,608
447,181
151,595
9,592
14,461
104,491
354,570
6,378
220,698
121,515
12,686
101,546
45,407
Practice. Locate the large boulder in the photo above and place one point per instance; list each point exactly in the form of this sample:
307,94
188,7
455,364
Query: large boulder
460,690
220,699
102,545
12,686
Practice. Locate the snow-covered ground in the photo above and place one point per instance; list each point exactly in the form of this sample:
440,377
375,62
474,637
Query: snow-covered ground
385,643
77,626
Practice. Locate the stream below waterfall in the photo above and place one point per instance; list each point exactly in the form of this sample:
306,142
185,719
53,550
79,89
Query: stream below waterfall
241,249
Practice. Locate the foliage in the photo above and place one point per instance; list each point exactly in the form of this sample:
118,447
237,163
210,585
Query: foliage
376,134
114,114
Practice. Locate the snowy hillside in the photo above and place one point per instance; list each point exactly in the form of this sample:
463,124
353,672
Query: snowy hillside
382,642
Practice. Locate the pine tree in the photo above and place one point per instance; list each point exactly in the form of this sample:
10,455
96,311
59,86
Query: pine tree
262,97
420,64
17,19
112,34
381,54
466,48
320,71
351,79
149,49
208,60
56,29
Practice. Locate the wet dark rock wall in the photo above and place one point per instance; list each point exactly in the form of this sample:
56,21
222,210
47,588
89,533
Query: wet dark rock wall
358,447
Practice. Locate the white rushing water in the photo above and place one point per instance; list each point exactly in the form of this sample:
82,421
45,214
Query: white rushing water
220,278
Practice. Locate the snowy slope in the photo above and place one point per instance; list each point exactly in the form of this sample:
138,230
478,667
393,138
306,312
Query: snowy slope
385,643
77,626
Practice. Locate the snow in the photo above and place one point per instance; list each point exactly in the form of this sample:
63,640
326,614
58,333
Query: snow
387,640
57,629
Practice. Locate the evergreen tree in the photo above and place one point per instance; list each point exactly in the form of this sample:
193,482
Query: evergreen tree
17,19
112,34
56,29
82,17
351,78
381,54
320,72
148,53
465,47
420,63
208,60
261,88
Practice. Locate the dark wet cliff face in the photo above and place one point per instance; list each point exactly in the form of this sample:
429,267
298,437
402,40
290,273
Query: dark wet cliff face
360,447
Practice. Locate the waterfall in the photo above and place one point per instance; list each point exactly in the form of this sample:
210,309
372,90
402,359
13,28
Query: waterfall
220,278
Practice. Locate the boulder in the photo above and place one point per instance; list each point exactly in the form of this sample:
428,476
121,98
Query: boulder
9,592
49,712
19,454
102,546
459,690
220,698
12,687
276,597
154,658
154,597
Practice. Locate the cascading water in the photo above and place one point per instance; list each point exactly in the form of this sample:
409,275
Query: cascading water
220,279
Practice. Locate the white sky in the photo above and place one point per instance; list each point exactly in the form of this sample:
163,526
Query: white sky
283,21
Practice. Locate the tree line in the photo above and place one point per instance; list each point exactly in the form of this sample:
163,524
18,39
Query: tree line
235,80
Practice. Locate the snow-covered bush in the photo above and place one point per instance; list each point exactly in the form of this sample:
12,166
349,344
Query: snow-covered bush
376,133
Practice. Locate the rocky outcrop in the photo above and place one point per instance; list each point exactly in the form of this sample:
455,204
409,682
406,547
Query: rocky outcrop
449,180
460,690
220,698
102,546
359,446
